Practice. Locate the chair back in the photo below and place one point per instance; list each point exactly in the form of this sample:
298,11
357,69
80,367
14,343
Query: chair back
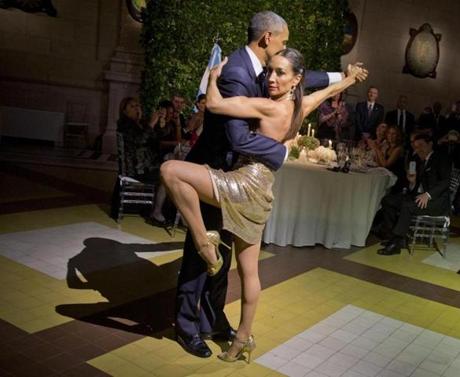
121,154
454,183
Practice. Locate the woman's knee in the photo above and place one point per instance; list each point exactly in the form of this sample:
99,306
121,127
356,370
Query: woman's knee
168,170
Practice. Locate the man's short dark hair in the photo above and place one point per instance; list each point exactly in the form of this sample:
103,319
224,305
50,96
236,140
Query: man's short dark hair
200,97
423,136
265,21
165,104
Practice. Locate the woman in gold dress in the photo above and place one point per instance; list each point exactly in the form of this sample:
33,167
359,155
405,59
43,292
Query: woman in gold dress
245,193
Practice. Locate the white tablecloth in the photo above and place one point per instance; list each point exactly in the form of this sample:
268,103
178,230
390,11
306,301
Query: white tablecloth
314,205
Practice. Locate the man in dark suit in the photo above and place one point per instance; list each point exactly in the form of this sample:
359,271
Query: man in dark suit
369,114
428,194
402,118
200,300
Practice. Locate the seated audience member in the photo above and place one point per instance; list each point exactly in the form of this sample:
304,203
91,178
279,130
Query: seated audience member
401,117
334,120
195,122
178,104
140,146
168,129
368,114
428,194
391,155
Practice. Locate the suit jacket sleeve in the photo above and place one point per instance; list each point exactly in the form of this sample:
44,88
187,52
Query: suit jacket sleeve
236,82
442,168
315,79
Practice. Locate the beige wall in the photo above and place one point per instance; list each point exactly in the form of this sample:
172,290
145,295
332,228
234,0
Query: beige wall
46,62
383,35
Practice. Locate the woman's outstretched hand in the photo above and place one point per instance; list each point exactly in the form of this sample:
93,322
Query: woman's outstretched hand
217,69
357,71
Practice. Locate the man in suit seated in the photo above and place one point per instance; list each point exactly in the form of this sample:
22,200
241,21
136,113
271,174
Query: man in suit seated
369,114
428,194
402,118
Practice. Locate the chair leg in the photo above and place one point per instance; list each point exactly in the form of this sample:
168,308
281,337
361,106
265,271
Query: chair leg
176,223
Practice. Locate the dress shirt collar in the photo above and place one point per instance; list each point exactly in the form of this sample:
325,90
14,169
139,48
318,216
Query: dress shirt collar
371,104
428,157
256,64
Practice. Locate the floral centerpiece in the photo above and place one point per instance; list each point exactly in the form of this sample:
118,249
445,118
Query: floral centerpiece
308,142
322,154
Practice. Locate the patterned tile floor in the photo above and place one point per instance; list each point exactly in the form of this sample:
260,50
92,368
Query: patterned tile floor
83,296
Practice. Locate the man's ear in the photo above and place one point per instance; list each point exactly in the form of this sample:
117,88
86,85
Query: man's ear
267,37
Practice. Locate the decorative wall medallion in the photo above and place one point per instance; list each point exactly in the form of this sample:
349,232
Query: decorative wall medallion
31,6
135,8
350,32
422,52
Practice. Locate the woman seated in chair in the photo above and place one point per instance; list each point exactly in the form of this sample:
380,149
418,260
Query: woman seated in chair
138,148
140,144
390,155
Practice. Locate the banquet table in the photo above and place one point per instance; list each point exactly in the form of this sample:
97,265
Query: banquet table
314,205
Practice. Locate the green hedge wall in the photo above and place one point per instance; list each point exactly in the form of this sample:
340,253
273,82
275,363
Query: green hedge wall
178,36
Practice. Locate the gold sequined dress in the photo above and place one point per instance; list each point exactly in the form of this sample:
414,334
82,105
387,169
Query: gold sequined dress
245,196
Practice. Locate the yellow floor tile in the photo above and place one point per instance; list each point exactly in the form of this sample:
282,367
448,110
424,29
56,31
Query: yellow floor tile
408,265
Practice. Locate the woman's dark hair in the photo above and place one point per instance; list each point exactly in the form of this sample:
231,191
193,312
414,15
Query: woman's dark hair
296,60
398,131
165,104
124,102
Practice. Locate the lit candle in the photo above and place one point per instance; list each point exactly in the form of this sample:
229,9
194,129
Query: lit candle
313,133
309,127
330,144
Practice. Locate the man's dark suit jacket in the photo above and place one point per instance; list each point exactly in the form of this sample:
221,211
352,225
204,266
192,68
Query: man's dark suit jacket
434,176
221,139
367,124
391,118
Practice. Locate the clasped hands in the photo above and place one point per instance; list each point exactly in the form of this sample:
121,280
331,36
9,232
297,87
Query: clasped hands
421,199
357,70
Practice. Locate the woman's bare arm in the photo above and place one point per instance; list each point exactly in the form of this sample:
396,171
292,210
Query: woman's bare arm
312,101
238,107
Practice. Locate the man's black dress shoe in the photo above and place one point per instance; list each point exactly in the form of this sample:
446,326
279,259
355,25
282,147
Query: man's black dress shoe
194,345
390,249
224,335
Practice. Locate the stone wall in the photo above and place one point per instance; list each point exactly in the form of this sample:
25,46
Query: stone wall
382,38
51,63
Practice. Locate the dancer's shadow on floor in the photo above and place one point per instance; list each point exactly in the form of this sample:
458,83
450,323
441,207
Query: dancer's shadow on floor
140,294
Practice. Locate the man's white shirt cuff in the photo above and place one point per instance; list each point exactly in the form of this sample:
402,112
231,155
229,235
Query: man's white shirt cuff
334,77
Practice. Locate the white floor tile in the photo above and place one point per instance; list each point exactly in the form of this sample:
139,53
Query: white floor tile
286,352
54,246
293,370
401,367
309,361
344,336
330,369
320,351
355,351
378,359
271,361
423,373
366,345
366,369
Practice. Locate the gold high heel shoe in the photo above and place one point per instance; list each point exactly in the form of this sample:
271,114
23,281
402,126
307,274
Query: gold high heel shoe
214,239
247,347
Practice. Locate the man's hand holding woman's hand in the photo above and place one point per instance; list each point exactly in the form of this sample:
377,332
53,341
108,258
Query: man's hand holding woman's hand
357,71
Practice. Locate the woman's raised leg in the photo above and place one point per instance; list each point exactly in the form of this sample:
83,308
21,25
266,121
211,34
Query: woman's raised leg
187,184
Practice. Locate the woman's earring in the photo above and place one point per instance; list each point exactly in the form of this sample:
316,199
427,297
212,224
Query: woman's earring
291,93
